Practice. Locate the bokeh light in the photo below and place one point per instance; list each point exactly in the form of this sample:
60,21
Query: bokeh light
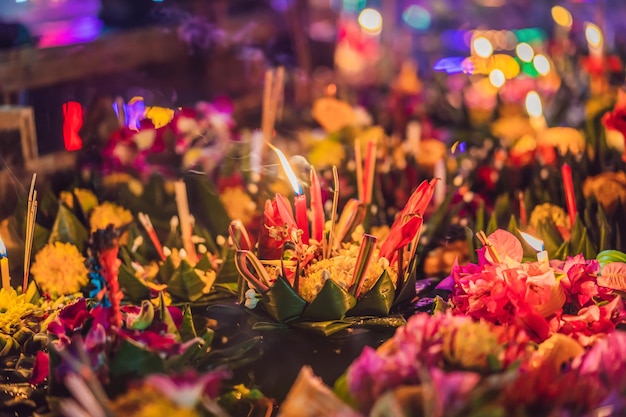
593,35
533,104
542,64
482,47
417,17
562,16
497,78
524,52
371,21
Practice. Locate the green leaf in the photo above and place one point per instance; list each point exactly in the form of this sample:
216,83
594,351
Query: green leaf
166,317
166,270
187,328
608,256
228,271
132,361
68,229
440,306
379,323
561,253
235,356
282,302
340,388
480,216
407,292
378,300
205,204
323,328
492,226
134,289
579,241
331,303
185,283
269,325
550,235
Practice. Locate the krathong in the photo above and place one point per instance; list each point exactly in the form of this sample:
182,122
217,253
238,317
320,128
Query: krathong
329,285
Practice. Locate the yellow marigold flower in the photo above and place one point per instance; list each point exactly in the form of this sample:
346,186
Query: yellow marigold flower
134,185
109,213
545,211
566,139
238,204
13,308
333,114
145,401
608,188
59,269
327,153
470,344
341,268
511,128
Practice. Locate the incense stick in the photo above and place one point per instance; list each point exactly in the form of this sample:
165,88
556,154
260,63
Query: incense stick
144,219
184,217
31,215
358,158
482,237
333,213
272,93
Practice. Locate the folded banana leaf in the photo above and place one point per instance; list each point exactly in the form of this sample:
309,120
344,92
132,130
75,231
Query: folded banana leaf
205,204
185,283
579,241
282,302
166,270
324,328
378,300
68,229
134,289
331,303
551,237
228,271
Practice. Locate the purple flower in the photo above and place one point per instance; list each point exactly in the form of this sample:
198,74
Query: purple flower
188,388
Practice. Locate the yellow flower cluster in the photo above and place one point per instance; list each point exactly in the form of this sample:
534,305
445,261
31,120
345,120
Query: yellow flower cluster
470,344
13,308
238,204
109,213
59,269
545,211
145,401
340,268
86,198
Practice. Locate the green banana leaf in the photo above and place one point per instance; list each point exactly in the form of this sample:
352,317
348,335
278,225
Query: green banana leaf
68,229
579,241
185,283
324,328
378,300
407,291
379,323
331,303
132,361
187,328
228,271
146,250
561,253
204,264
551,237
166,270
608,256
166,317
282,302
205,204
134,289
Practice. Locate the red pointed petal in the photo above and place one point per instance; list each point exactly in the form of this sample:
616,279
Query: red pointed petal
400,237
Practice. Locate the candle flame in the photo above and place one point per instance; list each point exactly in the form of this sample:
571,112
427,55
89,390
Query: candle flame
594,35
291,176
535,243
533,104
3,249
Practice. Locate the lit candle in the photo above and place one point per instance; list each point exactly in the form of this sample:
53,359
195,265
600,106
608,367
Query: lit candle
300,202
595,40
570,197
536,244
317,208
4,266
440,188
535,111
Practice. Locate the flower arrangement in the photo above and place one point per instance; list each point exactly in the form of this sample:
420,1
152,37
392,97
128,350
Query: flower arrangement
333,280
